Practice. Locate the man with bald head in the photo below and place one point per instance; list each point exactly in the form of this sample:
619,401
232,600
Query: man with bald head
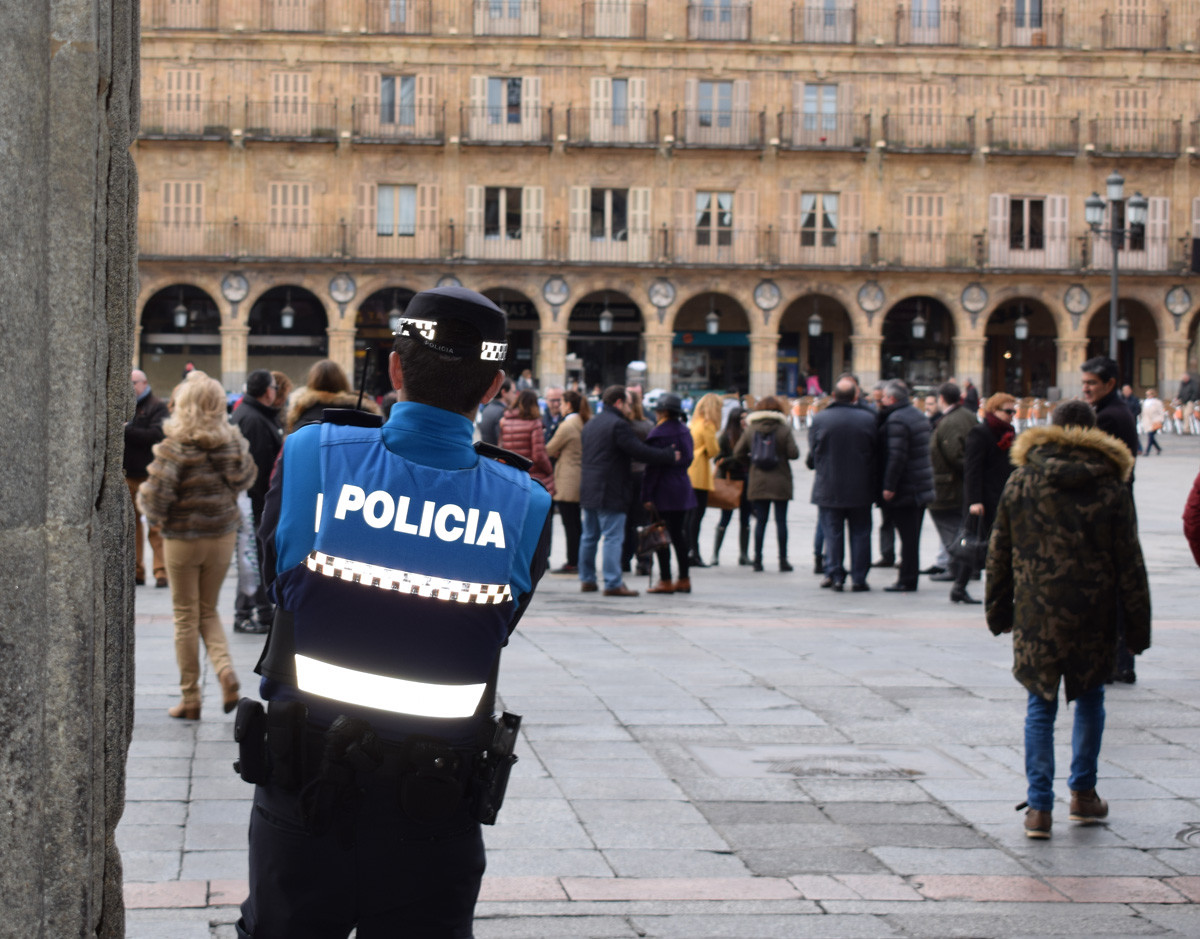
141,434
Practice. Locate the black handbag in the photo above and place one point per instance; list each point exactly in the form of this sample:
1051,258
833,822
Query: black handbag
653,536
968,547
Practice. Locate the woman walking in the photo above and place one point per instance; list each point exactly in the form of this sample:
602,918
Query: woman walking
197,473
731,467
768,445
668,490
705,422
522,432
566,449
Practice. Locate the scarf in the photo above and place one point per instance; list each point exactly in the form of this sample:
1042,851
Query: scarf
1001,430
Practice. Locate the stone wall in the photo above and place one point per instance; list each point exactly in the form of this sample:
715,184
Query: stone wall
68,203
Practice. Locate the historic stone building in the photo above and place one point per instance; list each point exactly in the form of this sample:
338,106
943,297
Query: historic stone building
727,191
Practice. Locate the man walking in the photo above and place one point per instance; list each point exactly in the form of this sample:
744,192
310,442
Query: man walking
907,485
947,446
141,434
842,441
1064,565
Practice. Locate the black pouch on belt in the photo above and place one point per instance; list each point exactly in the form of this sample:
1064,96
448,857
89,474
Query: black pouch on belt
493,765
431,785
250,732
285,742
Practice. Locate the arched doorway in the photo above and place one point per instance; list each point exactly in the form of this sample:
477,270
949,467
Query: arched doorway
605,336
1020,356
1137,353
373,339
287,332
918,344
523,326
814,339
712,357
180,324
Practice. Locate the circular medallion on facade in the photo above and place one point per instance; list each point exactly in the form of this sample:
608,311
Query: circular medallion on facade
556,291
449,281
767,295
870,296
235,287
1179,301
974,298
342,288
661,293
1077,299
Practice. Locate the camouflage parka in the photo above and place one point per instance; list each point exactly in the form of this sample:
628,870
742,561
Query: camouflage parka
1064,558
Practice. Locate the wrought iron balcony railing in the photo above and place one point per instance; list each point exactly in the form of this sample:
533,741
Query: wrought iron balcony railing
183,117
822,21
925,27
179,14
507,18
1134,30
400,17
1137,135
719,129
293,16
930,131
415,123
1033,133
838,131
1029,29
614,19
612,127
505,125
718,20
290,119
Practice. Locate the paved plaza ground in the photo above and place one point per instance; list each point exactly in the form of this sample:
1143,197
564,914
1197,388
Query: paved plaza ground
761,759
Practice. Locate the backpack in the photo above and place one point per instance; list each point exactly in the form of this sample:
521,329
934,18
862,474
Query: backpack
762,450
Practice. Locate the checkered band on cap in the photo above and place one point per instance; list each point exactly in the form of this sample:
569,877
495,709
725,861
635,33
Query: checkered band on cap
493,351
427,328
422,585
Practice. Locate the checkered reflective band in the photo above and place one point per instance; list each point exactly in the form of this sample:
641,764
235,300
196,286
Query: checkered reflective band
493,351
426,328
398,695
422,585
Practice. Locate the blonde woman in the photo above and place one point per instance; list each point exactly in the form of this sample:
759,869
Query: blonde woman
191,491
705,422
566,449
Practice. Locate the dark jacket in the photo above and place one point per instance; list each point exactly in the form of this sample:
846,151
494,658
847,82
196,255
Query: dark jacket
142,433
729,466
1113,417
1189,390
259,424
668,486
773,485
986,468
308,406
947,448
489,421
841,445
1064,562
904,449
609,443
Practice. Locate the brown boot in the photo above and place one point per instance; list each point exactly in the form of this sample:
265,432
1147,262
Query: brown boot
186,712
683,585
229,689
663,586
1037,823
1087,807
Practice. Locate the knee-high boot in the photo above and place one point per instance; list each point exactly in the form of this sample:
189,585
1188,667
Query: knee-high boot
718,537
744,546
782,538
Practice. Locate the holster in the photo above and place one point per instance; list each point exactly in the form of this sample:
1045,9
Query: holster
270,743
493,766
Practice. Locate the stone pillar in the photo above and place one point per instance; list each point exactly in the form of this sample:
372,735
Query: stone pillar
341,349
552,357
764,364
234,350
867,350
658,360
1071,356
1172,363
968,359
68,205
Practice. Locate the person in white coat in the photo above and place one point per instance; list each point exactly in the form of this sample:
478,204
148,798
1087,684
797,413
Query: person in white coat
1152,419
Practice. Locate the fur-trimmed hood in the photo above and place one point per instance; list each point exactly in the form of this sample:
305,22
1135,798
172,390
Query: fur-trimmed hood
1072,457
307,399
765,417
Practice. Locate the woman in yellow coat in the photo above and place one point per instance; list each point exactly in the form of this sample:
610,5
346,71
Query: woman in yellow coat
705,422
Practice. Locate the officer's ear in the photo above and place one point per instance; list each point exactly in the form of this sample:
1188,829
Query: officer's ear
494,387
395,373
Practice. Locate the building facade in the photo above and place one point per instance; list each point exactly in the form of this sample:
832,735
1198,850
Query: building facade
724,193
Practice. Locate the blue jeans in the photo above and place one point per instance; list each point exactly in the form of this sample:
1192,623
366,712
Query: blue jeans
835,521
610,525
1039,746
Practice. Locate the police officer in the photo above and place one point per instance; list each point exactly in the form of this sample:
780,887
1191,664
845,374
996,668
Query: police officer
402,559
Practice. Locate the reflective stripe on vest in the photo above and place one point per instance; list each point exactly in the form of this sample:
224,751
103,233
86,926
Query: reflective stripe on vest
398,695
387,578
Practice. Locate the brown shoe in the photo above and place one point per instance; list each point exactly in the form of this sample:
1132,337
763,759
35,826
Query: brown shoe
621,591
186,712
683,585
1037,824
229,689
588,586
1087,807
663,586
160,581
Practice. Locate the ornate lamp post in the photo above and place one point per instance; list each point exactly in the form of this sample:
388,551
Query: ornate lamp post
1135,217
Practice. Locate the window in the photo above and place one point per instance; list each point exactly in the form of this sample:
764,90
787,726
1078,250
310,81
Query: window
818,220
620,102
288,231
820,107
504,101
714,104
183,202
1135,238
184,109
397,13
610,215
504,9
924,242
714,219
290,113
1028,14
1027,224
926,14
398,100
502,212
396,211
716,11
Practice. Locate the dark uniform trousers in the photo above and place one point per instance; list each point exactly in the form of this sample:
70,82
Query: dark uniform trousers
372,867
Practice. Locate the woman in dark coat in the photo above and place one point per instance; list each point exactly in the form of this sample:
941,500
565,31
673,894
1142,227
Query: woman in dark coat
731,467
986,468
766,487
668,489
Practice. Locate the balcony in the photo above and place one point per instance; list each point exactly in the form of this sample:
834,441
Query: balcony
293,16
609,127
505,125
1049,253
923,246
183,118
721,22
819,249
1033,134
614,19
415,123
1137,136
507,18
1029,30
840,131
179,14
399,17
292,120
1133,30
927,27
726,130
632,246
236,239
518,244
822,22
929,132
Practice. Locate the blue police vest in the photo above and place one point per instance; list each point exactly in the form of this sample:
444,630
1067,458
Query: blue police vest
405,600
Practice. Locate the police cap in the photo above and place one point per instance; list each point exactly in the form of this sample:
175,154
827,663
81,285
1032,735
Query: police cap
431,308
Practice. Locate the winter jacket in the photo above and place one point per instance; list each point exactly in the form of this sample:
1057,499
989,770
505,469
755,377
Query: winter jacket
1113,417
308,406
1191,519
947,450
192,492
489,421
142,433
668,485
608,444
565,448
704,450
1064,561
527,437
259,424
986,468
729,466
841,446
1152,414
773,485
904,451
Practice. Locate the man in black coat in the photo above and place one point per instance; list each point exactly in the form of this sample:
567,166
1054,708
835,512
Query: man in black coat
258,419
489,420
1112,415
609,444
141,434
907,485
841,442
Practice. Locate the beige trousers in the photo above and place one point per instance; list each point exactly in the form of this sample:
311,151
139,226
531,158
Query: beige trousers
196,568
153,531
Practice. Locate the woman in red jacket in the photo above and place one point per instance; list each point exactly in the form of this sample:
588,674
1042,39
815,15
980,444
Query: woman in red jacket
521,431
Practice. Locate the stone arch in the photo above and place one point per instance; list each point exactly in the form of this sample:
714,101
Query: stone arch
524,325
373,337
801,354
703,360
1132,353
596,357
924,362
1020,367
179,323
272,344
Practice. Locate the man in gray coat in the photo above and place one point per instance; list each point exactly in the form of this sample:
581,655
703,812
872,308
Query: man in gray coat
841,441
947,448
907,477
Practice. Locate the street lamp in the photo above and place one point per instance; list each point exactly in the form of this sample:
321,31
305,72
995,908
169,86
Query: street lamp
394,316
712,322
606,317
180,312
1021,328
1093,209
287,316
919,322
815,323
